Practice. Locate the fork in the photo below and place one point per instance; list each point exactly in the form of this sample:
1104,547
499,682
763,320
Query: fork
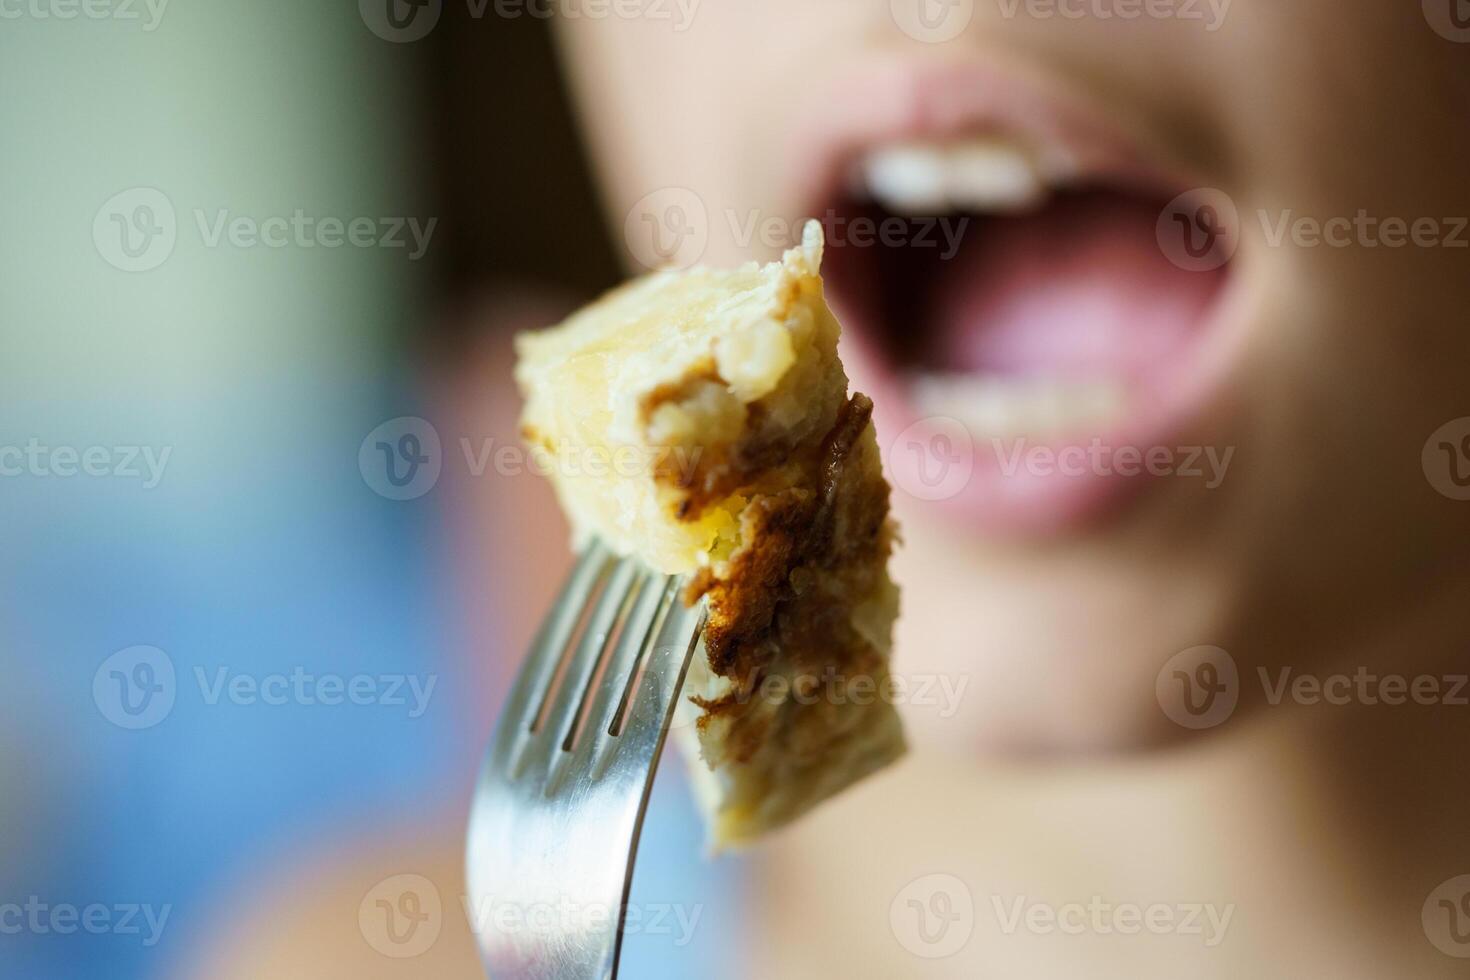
559,804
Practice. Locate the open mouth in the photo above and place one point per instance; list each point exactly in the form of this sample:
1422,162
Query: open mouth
1033,345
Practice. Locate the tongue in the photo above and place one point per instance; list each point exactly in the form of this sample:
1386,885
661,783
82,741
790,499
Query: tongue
1080,288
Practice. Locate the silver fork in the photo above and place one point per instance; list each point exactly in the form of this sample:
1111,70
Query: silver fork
560,800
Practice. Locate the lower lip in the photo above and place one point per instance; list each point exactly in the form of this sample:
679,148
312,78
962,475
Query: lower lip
1017,487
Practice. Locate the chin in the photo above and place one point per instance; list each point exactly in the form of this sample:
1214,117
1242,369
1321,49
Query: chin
1048,651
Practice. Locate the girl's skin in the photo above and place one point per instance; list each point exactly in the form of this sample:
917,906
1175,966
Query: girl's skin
1059,777
1290,839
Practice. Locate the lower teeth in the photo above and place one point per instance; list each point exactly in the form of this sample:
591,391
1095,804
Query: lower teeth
996,407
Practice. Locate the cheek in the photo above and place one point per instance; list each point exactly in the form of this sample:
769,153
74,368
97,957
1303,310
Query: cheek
666,125
706,105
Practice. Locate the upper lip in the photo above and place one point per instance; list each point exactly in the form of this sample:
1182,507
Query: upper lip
890,99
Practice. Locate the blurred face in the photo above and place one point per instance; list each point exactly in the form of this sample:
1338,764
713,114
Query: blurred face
1159,303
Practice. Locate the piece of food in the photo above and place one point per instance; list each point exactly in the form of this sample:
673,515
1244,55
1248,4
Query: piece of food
701,421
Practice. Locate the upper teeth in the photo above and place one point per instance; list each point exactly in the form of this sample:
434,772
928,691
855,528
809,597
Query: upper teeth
1012,408
971,175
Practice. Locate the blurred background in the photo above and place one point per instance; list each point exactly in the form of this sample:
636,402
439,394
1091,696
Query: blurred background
235,656
264,574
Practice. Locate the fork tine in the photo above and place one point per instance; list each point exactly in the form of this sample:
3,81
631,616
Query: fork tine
519,712
648,714
615,600
659,593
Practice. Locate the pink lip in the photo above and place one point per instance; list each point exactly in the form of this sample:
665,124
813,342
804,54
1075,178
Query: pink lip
889,99
897,99
994,494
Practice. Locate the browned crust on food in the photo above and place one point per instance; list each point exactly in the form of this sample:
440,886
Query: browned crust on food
672,391
788,593
718,471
